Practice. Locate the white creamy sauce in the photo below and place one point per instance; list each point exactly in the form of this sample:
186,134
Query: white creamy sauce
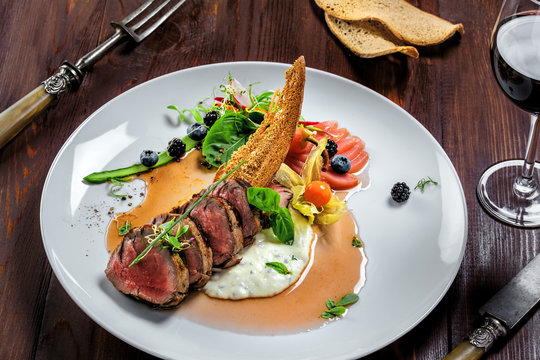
252,278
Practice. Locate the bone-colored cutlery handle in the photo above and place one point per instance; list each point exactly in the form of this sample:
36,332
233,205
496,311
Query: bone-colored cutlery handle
465,351
19,115
479,341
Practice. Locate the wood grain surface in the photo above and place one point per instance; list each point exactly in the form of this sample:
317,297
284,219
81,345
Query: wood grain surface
450,89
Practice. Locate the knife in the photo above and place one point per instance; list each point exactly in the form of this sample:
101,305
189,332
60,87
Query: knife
502,312
135,27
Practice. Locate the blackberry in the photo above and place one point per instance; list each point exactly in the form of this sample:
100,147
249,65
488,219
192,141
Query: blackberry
341,164
149,158
176,148
210,118
331,148
197,131
400,192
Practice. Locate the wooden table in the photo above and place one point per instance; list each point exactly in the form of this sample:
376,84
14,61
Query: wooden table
449,89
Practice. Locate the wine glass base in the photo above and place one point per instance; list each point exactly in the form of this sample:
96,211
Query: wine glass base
496,194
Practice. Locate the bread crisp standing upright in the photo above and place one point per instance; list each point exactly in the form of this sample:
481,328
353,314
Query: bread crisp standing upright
267,148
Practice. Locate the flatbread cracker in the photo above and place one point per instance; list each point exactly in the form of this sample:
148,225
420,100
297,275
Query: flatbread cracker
404,20
367,39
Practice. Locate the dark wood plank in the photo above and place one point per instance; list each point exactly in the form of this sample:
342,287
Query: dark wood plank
449,89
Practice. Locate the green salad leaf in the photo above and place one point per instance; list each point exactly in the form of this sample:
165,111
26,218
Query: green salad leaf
267,200
264,199
229,133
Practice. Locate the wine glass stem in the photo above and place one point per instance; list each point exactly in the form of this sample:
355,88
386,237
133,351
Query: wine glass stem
525,184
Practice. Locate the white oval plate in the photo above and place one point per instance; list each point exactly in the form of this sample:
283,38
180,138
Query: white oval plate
414,250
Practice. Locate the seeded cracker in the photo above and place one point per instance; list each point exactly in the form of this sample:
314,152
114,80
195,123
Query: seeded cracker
405,21
367,39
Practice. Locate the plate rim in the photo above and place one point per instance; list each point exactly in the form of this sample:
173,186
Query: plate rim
91,314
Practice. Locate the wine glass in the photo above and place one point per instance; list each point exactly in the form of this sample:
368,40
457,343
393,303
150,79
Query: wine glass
509,190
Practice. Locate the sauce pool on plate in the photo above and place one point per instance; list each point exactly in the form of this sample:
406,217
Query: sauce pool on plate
335,267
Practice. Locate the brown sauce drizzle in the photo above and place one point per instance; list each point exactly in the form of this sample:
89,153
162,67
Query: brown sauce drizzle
335,268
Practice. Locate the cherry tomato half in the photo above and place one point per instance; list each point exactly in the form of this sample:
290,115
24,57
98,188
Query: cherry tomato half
318,193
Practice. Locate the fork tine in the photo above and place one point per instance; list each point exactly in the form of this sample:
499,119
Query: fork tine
149,16
134,14
161,20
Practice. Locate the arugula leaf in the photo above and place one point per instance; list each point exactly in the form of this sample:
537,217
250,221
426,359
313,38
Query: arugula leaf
124,229
229,132
347,299
282,225
279,267
356,242
264,199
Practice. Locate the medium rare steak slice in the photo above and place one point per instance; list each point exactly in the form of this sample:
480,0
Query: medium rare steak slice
198,256
217,222
285,193
235,192
160,278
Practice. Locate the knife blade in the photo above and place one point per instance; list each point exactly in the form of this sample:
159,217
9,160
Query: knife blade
502,312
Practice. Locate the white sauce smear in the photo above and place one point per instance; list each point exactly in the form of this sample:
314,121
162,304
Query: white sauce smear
252,278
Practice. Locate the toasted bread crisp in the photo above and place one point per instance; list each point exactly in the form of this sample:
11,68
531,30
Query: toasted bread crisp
367,39
406,22
267,147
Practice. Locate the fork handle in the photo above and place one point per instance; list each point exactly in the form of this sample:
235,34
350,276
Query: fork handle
19,115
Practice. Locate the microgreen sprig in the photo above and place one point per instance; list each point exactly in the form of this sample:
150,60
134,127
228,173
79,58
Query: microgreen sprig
356,242
423,182
124,229
117,185
336,309
173,224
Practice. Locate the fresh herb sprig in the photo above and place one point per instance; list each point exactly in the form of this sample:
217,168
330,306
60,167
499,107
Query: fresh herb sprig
124,229
356,242
336,309
268,200
172,225
280,267
169,240
117,185
423,182
195,112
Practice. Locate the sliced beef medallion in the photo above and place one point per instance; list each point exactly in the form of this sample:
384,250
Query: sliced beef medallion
285,193
235,192
215,218
198,256
160,278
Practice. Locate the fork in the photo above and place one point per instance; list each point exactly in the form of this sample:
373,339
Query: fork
70,76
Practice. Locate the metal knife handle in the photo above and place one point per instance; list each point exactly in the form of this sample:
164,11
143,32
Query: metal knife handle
479,341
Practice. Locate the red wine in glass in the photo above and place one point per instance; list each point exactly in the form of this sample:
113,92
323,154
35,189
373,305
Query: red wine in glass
515,51
509,190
